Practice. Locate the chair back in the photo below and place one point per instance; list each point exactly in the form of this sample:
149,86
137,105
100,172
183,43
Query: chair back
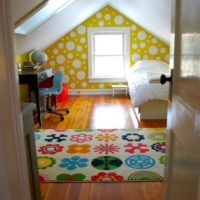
57,81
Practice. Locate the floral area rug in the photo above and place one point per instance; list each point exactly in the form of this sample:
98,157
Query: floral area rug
101,155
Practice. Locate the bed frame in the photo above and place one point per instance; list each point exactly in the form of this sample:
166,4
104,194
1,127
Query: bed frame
153,109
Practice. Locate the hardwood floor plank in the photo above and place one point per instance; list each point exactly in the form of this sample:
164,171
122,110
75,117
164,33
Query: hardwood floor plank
100,112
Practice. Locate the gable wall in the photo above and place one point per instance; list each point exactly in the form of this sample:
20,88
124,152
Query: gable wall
69,53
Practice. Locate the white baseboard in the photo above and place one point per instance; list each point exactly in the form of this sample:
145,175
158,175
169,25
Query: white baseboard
93,91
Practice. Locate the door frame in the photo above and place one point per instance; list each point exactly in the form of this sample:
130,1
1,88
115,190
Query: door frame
14,182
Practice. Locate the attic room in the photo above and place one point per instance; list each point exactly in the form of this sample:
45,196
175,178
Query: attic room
97,45
70,49
105,143
100,49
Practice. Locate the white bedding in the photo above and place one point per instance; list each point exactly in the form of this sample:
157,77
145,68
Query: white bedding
141,86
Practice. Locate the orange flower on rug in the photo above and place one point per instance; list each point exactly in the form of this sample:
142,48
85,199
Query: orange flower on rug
76,148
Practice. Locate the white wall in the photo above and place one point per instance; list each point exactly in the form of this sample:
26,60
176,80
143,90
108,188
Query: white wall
153,15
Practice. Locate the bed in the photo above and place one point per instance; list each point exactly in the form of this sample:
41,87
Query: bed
149,98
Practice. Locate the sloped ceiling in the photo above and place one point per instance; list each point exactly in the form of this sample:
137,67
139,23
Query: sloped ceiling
153,15
22,7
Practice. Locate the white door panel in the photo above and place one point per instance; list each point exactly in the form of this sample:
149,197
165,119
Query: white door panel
183,157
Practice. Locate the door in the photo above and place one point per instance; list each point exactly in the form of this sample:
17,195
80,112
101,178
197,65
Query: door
14,181
183,157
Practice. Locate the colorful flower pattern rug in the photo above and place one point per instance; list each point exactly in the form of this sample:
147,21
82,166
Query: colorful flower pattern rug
101,155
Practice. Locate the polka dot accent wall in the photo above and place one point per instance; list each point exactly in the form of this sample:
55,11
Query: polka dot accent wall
70,53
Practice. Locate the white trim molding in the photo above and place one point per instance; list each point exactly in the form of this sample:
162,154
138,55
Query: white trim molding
125,32
107,80
93,92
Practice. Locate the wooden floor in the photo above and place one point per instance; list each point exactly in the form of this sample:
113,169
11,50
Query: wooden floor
100,112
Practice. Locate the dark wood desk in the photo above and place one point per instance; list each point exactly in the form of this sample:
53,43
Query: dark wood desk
33,79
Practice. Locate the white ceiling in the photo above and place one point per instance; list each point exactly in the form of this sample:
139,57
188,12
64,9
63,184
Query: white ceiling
153,15
22,7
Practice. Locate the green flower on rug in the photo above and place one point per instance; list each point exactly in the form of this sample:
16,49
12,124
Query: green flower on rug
106,163
158,136
44,162
162,160
129,130
83,130
73,163
70,177
145,176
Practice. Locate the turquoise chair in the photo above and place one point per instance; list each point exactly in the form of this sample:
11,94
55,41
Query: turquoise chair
51,93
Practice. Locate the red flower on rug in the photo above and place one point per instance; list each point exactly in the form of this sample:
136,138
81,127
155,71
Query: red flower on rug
142,148
80,138
50,149
107,130
76,148
107,177
106,148
43,177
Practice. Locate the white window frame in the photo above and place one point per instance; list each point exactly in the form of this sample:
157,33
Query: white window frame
91,46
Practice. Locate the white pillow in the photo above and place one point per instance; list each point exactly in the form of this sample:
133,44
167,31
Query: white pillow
150,66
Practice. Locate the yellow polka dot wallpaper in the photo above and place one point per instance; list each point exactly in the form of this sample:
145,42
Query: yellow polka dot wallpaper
70,53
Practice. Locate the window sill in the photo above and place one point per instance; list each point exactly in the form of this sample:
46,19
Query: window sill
106,80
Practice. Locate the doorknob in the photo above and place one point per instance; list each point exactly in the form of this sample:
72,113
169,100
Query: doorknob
164,79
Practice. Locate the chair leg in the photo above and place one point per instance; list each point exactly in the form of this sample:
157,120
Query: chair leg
55,101
64,109
56,113
49,106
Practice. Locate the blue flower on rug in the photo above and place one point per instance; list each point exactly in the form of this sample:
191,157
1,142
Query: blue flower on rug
130,137
37,136
74,162
140,162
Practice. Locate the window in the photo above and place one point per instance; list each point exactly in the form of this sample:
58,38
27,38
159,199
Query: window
48,10
108,54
